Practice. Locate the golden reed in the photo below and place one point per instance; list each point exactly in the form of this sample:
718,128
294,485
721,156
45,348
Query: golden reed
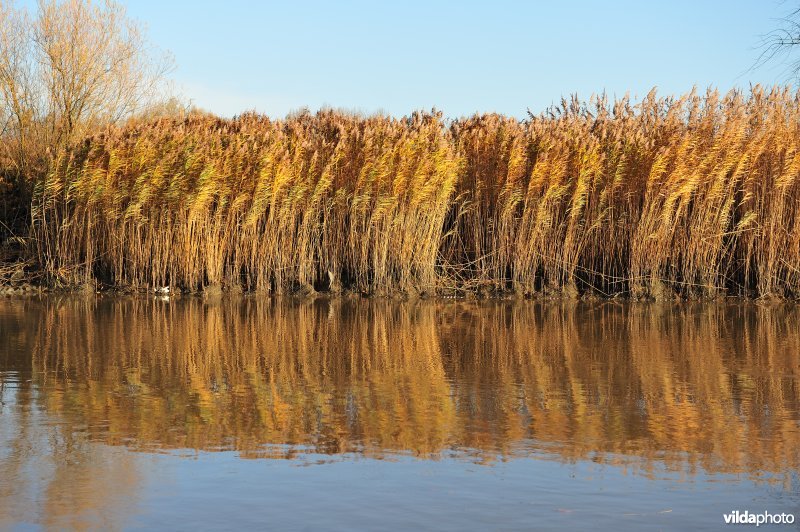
694,197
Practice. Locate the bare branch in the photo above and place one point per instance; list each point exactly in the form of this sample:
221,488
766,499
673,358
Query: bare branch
781,43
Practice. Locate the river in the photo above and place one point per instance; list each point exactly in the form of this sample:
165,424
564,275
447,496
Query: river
253,412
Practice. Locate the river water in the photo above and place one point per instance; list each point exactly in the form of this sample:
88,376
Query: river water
248,412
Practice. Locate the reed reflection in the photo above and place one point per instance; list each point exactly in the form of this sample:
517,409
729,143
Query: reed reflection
646,387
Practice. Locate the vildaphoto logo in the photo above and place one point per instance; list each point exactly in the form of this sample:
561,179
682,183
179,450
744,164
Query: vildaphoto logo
764,518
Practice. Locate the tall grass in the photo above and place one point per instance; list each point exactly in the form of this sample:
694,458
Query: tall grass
690,197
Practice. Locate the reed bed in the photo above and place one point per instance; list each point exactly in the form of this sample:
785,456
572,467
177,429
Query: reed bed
694,197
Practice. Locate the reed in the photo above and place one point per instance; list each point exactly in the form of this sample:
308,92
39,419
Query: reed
692,197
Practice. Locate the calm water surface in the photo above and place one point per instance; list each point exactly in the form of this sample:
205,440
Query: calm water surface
186,414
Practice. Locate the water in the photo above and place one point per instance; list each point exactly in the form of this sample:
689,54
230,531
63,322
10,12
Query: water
185,414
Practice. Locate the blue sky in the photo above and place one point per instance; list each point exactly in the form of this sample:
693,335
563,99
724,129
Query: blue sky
460,57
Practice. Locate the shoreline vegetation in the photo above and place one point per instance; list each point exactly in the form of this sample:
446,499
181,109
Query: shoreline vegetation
695,197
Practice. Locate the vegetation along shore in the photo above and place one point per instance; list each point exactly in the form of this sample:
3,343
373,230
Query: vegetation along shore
690,197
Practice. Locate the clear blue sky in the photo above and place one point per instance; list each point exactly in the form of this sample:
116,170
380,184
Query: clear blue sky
460,57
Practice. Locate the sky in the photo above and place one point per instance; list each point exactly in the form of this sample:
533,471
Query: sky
460,57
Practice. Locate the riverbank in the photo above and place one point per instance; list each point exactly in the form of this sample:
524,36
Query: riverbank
28,290
696,197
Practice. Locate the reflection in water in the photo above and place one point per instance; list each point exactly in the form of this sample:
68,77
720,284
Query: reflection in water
710,385
646,387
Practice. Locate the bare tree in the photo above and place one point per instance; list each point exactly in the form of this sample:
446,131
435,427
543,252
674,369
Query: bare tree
93,64
75,65
19,100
